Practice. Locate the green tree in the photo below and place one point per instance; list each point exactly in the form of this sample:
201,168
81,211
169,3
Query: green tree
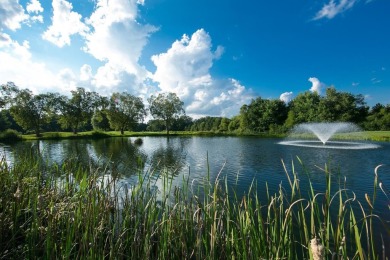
234,124
77,111
224,125
181,123
378,118
260,114
125,111
156,125
342,106
30,111
99,119
8,93
167,107
305,108
4,122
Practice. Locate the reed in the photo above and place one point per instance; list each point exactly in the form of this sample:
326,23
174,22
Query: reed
75,211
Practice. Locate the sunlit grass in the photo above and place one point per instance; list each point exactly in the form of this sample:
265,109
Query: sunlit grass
71,211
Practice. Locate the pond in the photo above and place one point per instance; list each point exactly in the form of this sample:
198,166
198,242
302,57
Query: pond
241,160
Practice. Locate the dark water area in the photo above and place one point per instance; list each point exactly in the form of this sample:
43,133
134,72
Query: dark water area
241,160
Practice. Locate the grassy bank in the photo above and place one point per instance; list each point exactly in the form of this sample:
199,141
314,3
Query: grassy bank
366,135
67,211
99,134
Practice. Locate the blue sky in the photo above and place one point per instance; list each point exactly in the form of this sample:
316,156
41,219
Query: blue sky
216,55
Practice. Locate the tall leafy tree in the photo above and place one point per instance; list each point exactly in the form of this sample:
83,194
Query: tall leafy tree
378,118
260,114
99,119
77,111
305,108
167,107
342,106
31,111
125,111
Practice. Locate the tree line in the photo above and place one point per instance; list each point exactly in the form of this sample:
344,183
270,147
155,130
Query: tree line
84,110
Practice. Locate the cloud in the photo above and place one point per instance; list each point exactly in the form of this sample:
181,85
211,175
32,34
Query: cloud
185,69
65,23
117,39
34,6
17,66
85,72
286,97
332,9
12,14
375,81
317,85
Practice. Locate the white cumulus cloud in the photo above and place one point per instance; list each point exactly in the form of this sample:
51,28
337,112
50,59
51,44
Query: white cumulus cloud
117,39
286,97
333,8
34,6
17,65
185,69
317,85
65,23
12,14
85,72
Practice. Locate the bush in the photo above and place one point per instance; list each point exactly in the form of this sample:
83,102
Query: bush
10,135
138,141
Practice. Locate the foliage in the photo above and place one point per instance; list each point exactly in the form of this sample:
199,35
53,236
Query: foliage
85,111
214,124
342,106
100,121
10,135
8,92
260,114
32,111
78,110
166,107
125,111
305,108
378,118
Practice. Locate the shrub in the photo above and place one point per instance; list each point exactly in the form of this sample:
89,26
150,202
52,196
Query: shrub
10,135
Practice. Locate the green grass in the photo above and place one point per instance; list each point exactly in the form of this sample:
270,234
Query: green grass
66,211
100,134
366,135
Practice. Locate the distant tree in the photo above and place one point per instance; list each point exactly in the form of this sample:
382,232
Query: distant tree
167,107
305,108
30,111
181,123
125,111
8,93
224,125
260,114
342,106
100,120
156,125
234,124
77,111
4,121
378,118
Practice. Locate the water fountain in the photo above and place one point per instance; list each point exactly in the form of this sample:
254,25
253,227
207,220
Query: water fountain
323,132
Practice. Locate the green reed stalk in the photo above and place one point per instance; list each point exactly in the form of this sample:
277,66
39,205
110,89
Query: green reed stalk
71,211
